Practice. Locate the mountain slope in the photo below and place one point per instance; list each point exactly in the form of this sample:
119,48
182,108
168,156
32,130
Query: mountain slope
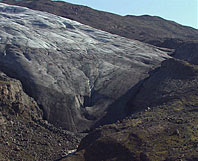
150,29
73,71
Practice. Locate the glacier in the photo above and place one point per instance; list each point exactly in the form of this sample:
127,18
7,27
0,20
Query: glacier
74,72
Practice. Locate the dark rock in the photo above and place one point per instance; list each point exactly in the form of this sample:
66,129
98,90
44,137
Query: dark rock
187,51
143,157
172,80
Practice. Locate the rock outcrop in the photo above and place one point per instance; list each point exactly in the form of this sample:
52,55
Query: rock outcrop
74,72
14,101
23,133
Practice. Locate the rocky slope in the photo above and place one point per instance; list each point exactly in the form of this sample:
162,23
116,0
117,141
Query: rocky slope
174,79
23,133
74,72
187,51
150,29
164,131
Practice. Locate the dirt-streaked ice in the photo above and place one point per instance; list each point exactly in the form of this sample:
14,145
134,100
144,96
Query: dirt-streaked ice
75,72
